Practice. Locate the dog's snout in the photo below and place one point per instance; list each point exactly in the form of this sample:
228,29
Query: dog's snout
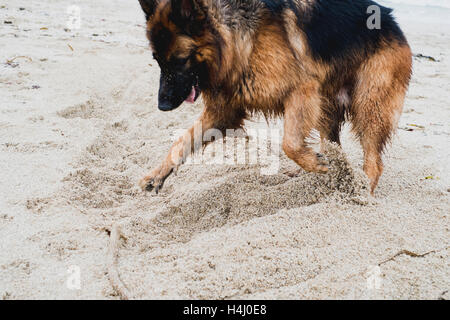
173,90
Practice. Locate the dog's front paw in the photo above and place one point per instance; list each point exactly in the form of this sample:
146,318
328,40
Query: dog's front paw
322,164
150,184
312,162
155,180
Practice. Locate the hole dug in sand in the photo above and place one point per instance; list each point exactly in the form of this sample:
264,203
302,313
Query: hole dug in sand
139,246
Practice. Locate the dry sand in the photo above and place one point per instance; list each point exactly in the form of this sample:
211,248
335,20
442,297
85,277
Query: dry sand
79,127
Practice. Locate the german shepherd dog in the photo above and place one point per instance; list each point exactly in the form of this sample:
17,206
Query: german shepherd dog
314,62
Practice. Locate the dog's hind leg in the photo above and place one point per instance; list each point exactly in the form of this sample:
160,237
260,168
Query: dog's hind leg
378,103
334,109
302,113
332,132
333,116
192,141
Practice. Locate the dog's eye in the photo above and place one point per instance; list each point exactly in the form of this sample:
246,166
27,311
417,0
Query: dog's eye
180,61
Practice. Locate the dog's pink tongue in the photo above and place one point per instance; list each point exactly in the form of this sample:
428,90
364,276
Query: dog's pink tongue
191,98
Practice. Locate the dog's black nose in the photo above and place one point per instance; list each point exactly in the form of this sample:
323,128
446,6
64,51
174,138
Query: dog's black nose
165,106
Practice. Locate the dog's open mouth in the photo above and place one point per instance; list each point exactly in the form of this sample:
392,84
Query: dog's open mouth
193,96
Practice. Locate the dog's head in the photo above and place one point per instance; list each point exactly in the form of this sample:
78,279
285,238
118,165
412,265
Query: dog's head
183,42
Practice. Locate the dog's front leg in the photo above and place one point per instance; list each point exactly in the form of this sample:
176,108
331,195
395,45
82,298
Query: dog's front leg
188,144
302,112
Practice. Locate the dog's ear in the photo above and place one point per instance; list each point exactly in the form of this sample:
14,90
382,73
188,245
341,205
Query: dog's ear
192,11
149,7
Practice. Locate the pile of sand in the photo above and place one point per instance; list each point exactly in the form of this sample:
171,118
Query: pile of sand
228,197
200,199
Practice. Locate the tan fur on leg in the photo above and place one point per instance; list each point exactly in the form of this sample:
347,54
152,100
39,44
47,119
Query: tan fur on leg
302,112
189,143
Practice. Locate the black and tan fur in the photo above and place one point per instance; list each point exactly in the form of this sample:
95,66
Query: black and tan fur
313,62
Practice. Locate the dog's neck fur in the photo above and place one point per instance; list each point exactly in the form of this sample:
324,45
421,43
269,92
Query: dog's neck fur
237,33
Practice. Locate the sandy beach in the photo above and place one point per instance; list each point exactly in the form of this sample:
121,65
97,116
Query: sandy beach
79,127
